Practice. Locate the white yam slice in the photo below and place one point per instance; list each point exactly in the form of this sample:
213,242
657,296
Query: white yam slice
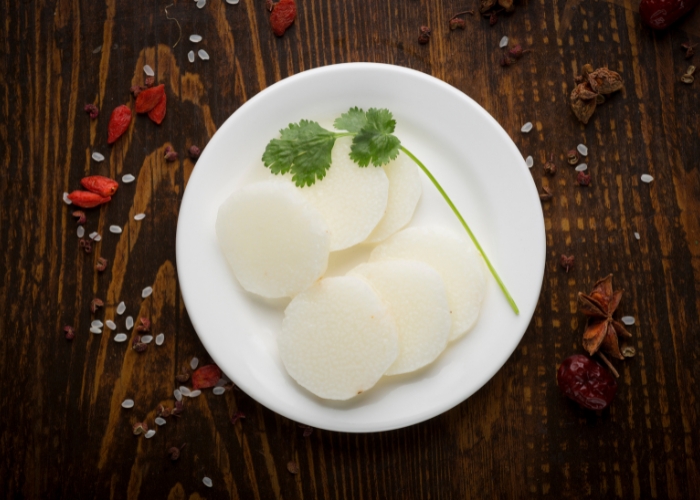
454,257
404,192
351,199
338,338
276,243
415,295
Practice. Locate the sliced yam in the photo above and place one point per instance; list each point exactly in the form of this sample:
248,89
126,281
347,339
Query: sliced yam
351,199
454,257
417,300
338,338
276,243
404,192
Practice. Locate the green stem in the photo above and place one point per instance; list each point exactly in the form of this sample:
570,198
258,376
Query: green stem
469,231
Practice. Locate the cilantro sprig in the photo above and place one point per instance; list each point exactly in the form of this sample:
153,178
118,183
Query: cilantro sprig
304,150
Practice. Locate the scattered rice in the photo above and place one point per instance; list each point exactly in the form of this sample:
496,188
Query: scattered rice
160,421
185,391
526,128
96,324
128,403
95,330
504,42
146,292
647,178
150,434
221,382
129,322
160,338
232,2
529,162
203,54
177,394
218,391
190,56
139,216
111,324
120,337
195,393
582,149
66,200
207,482
95,236
201,3
128,178
581,167
636,235
148,70
628,320
81,231
195,38
121,308
97,156
146,339
97,49
115,229
194,363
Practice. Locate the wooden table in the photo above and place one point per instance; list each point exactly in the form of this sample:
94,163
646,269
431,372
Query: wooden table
63,433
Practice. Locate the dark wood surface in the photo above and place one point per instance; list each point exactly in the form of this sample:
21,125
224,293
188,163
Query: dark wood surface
62,431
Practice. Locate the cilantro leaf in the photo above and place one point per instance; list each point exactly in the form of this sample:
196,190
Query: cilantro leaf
376,143
352,121
304,149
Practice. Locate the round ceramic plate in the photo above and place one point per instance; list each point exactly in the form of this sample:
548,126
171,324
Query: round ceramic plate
470,155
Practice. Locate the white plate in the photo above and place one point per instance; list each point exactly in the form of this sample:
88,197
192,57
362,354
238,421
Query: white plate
474,160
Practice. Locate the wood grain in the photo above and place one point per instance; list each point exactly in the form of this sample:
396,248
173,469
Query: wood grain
63,433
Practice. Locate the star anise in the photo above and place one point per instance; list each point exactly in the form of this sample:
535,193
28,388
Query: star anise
602,330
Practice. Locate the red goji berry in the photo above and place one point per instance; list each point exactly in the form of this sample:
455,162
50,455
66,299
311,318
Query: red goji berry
149,98
118,123
283,16
104,186
205,377
86,199
158,113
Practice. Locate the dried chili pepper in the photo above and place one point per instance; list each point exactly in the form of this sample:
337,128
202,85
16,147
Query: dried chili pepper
206,377
104,186
283,15
86,199
148,99
118,123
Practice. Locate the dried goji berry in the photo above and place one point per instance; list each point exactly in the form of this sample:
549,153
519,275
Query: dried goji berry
104,186
205,377
149,98
86,199
118,123
283,16
158,113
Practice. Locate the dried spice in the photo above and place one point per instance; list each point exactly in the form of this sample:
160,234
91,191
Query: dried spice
586,382
424,35
550,168
583,179
194,152
572,157
506,61
145,325
602,330
182,377
95,304
591,85
174,452
517,52
149,81
179,408
293,467
688,76
92,110
206,377
170,154
137,345
566,262
69,332
135,90
101,264
457,23
308,430
139,428
547,195
85,244
237,416
687,46
80,215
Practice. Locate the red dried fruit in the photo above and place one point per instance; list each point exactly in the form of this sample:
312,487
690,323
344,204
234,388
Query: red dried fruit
92,110
118,123
148,99
283,15
586,382
205,377
86,199
104,186
660,14
158,113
